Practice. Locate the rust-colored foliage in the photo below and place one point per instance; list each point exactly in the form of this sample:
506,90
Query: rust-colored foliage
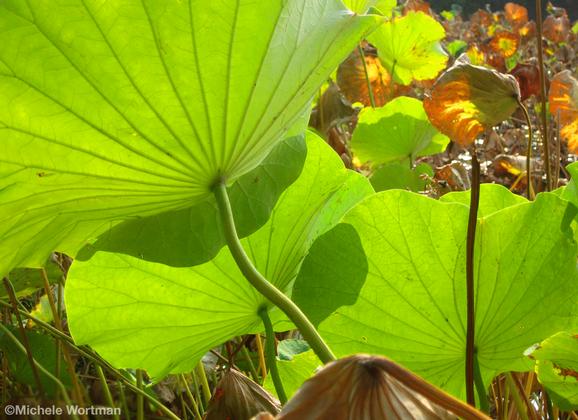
528,77
516,14
372,387
557,28
466,100
480,19
505,43
564,105
353,84
527,31
417,6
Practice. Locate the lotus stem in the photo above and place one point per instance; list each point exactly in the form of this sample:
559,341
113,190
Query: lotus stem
271,356
367,80
262,285
529,187
470,247
480,387
542,71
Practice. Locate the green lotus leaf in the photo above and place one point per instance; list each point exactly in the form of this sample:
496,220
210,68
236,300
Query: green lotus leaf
146,315
409,47
183,238
493,198
117,110
399,130
294,372
26,281
406,298
385,7
43,349
557,368
398,175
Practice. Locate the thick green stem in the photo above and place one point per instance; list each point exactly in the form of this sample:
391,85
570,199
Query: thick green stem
139,397
200,370
367,80
529,187
542,70
482,392
262,285
271,356
470,246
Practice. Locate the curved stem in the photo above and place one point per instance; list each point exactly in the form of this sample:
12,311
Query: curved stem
470,247
41,368
482,393
271,356
369,88
529,186
542,70
262,285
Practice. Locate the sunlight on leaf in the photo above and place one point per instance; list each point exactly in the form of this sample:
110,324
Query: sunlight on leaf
505,43
352,80
410,305
409,47
399,130
181,95
563,101
467,100
134,312
398,175
557,368
516,14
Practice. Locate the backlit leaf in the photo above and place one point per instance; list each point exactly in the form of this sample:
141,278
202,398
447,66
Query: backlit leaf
467,100
399,130
516,14
147,315
406,296
116,110
557,368
409,47
563,101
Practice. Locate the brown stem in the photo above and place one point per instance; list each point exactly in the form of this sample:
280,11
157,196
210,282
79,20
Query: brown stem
470,246
545,137
529,187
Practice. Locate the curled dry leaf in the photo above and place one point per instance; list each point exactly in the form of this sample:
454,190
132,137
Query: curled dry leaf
564,103
467,100
372,387
238,398
353,84
505,43
417,6
528,77
516,14
557,28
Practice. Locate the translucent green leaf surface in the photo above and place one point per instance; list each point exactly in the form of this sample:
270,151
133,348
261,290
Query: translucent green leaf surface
406,296
147,315
493,198
362,6
399,130
557,368
115,110
399,176
409,47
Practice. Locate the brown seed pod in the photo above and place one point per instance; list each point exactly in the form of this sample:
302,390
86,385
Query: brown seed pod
363,387
239,398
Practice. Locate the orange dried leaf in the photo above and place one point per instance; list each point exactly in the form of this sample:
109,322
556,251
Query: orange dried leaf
417,6
557,29
482,18
505,43
564,103
467,100
516,14
372,387
528,30
353,84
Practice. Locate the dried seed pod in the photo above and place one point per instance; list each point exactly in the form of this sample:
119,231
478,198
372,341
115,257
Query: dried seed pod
371,387
239,398
467,100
